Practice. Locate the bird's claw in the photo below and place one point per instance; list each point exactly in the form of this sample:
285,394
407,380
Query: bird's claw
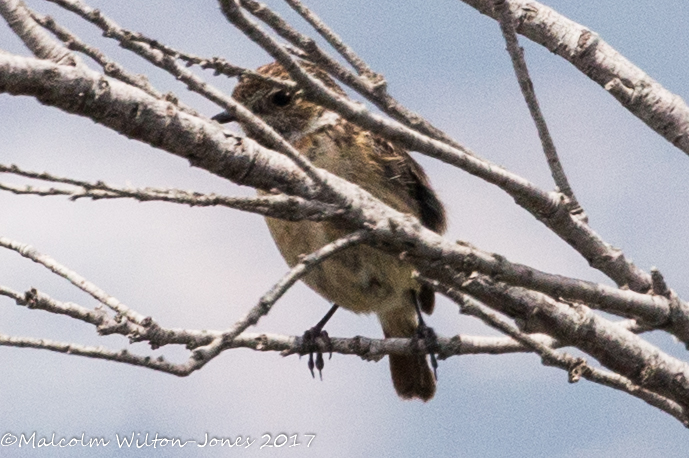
310,345
426,334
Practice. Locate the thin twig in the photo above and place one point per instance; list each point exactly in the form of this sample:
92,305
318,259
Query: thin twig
548,208
663,111
204,354
123,356
575,367
220,65
110,67
367,349
334,40
45,176
77,280
36,300
374,90
106,324
305,265
526,84
282,206
615,347
192,338
196,84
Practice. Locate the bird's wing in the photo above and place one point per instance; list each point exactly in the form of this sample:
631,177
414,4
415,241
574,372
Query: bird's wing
403,171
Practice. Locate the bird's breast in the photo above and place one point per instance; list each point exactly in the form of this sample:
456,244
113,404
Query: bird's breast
360,278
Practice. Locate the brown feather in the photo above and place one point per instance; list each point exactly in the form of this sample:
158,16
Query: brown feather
411,377
361,278
400,168
426,299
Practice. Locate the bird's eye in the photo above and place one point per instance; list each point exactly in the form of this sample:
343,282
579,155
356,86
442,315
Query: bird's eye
281,98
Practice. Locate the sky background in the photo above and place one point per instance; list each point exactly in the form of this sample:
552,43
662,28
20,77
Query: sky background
203,268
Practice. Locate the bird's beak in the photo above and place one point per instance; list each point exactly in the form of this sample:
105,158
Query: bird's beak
224,118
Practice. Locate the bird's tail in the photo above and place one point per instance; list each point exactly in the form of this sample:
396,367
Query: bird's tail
411,374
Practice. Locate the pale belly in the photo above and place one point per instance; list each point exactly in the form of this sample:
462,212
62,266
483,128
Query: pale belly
360,278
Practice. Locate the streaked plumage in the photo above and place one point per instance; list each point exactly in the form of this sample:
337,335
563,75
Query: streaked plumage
361,279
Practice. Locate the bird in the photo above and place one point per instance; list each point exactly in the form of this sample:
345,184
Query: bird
361,278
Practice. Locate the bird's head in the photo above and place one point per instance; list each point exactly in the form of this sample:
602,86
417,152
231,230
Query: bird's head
287,111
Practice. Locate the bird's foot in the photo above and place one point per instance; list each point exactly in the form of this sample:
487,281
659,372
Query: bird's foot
310,346
426,334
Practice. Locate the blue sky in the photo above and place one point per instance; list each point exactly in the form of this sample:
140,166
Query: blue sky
203,268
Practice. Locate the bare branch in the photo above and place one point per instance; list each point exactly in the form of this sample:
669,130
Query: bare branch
271,138
246,163
460,259
546,207
282,206
575,367
155,122
374,89
614,347
334,40
146,328
77,280
371,349
33,299
664,112
521,70
18,17
367,349
123,356
45,176
306,264
110,67
201,355
106,324
220,65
